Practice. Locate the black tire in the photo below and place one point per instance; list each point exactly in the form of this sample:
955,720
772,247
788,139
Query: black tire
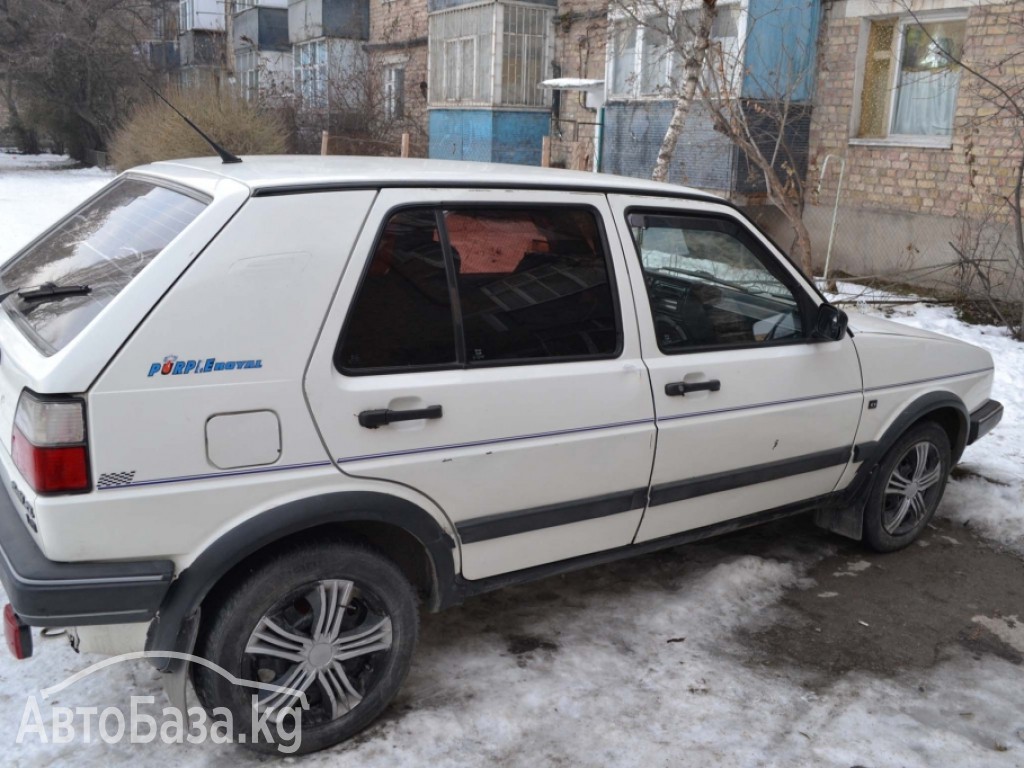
906,492
369,635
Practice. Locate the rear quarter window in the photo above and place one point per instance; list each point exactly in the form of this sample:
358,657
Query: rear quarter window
103,245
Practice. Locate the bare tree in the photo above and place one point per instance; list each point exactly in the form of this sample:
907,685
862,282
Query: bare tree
74,65
364,108
701,69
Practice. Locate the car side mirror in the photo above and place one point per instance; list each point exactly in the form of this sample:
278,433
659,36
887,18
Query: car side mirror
829,324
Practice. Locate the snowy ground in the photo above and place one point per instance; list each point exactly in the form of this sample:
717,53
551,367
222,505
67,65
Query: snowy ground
637,663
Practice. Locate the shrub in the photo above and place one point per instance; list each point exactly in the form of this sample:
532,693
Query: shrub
154,132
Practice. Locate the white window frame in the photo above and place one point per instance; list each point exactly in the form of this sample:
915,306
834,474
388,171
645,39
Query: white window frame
448,45
247,68
311,79
635,92
394,98
186,12
896,139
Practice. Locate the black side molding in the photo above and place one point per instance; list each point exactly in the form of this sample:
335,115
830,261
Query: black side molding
984,420
739,478
45,593
462,588
548,516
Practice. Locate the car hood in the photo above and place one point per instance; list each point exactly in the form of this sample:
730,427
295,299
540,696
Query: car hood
896,355
875,325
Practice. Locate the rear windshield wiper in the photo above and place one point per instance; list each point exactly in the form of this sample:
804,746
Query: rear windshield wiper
47,291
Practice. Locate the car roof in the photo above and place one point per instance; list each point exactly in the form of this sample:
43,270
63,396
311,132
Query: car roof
276,174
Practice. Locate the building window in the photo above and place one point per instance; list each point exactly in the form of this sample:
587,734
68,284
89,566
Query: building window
524,55
910,80
186,10
394,93
244,5
462,55
247,67
643,61
460,69
311,73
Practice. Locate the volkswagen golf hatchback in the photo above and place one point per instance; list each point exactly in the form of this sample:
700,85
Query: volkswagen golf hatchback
263,413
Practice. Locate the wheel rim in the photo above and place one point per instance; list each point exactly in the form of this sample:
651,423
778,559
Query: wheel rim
328,640
912,490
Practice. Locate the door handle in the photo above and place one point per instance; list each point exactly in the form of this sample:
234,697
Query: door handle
380,417
682,387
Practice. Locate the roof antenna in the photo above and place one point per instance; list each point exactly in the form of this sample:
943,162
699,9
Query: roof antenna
225,156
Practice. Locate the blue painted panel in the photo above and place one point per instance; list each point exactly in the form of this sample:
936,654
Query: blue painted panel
780,56
517,136
487,135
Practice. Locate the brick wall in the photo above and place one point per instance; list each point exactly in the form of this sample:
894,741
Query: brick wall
907,179
581,36
901,207
398,37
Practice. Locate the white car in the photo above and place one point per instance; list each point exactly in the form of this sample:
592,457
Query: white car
260,412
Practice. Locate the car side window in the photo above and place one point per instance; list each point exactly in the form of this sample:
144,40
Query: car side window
401,317
533,284
709,285
477,286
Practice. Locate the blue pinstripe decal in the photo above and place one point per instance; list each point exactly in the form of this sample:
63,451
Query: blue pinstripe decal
495,441
532,436
925,381
758,405
229,473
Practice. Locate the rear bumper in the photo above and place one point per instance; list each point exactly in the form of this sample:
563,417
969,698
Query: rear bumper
48,594
984,419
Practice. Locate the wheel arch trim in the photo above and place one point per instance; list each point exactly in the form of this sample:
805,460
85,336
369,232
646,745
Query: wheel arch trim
170,630
871,453
847,518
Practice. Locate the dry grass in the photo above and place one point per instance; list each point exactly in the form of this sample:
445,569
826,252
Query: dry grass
154,132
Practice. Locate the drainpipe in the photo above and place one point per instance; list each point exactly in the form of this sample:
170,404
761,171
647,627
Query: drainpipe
835,212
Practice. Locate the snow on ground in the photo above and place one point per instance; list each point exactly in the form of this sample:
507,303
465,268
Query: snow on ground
33,194
632,664
991,496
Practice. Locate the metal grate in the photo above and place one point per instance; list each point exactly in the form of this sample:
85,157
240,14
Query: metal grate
524,55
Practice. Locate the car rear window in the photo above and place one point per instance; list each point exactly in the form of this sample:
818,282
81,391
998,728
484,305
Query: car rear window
103,246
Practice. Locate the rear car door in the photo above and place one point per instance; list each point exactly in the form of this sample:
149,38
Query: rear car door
482,349
752,414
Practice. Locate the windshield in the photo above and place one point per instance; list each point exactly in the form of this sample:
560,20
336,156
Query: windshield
101,247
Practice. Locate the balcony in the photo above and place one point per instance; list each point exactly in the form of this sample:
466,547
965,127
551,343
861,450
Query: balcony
261,29
312,19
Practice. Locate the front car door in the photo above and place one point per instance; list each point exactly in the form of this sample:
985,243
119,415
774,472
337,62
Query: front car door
482,350
752,414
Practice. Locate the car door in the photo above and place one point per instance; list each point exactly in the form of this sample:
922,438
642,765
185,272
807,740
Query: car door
752,413
482,350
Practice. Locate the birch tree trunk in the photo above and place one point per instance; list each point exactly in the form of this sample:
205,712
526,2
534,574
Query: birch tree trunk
693,66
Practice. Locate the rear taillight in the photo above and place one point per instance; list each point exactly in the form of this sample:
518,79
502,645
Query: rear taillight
48,444
17,633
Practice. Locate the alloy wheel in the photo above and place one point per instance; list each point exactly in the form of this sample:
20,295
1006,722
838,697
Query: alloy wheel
328,640
913,488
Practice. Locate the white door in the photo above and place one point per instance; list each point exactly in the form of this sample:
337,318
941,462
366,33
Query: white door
752,414
482,349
